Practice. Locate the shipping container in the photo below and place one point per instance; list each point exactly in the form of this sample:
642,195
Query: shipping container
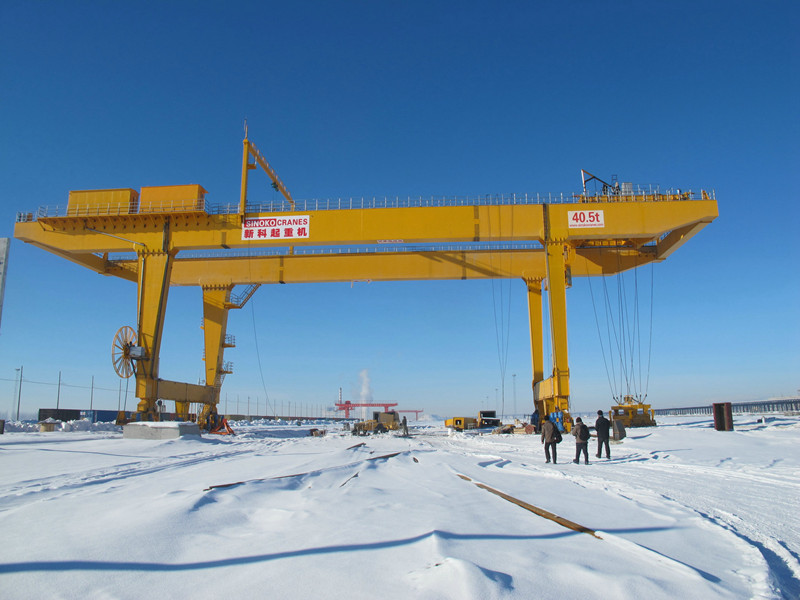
99,416
59,414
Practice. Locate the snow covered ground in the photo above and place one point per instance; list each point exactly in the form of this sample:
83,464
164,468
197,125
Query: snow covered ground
679,511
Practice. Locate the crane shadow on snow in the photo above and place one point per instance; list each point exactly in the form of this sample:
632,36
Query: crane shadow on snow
60,566
780,570
10,444
276,434
639,437
61,451
649,457
498,462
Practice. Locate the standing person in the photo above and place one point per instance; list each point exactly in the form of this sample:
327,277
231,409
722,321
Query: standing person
535,420
601,426
581,433
405,426
549,438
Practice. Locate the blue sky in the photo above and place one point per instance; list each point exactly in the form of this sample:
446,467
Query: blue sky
411,98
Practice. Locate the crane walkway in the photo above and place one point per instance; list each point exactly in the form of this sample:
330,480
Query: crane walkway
639,194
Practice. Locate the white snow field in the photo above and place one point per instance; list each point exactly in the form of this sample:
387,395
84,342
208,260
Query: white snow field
679,511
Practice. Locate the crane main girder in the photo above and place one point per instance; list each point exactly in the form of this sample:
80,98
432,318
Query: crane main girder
637,223
543,244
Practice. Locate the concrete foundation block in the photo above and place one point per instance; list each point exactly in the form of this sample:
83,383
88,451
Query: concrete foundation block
163,430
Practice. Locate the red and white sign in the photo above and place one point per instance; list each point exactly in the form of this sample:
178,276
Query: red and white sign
290,227
585,218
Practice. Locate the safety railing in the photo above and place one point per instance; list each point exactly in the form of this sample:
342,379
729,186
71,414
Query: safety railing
114,209
638,194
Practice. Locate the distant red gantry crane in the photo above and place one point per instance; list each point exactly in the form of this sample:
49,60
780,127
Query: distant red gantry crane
348,406
416,412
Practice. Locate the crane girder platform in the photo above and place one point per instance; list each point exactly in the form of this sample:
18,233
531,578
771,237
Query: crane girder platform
170,236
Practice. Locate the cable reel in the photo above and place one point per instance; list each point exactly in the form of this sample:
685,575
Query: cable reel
124,351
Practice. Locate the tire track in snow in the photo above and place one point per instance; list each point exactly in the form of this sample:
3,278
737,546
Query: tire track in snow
720,511
61,484
637,551
674,484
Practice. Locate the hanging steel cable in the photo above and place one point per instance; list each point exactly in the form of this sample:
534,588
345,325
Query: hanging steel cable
611,329
650,344
600,338
255,338
502,325
258,357
623,334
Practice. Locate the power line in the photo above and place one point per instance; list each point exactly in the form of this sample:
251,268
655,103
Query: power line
70,385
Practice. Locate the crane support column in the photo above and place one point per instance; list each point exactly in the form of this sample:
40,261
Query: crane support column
557,296
552,394
155,268
216,303
537,335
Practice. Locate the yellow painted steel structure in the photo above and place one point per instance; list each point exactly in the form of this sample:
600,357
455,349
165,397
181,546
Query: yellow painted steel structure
544,243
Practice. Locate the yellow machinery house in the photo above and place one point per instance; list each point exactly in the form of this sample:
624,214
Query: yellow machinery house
159,199
87,203
151,238
172,198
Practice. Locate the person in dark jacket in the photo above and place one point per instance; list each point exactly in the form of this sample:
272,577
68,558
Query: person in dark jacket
549,438
602,426
581,433
535,420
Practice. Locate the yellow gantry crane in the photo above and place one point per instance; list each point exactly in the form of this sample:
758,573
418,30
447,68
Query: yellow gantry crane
170,236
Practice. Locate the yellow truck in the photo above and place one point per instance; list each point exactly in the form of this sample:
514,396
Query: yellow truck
379,423
486,418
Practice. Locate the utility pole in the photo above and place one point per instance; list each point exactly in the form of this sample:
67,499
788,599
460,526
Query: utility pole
58,395
91,397
19,392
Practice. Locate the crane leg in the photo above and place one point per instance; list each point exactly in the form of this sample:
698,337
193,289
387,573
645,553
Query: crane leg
154,276
182,410
557,282
537,334
553,393
216,303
